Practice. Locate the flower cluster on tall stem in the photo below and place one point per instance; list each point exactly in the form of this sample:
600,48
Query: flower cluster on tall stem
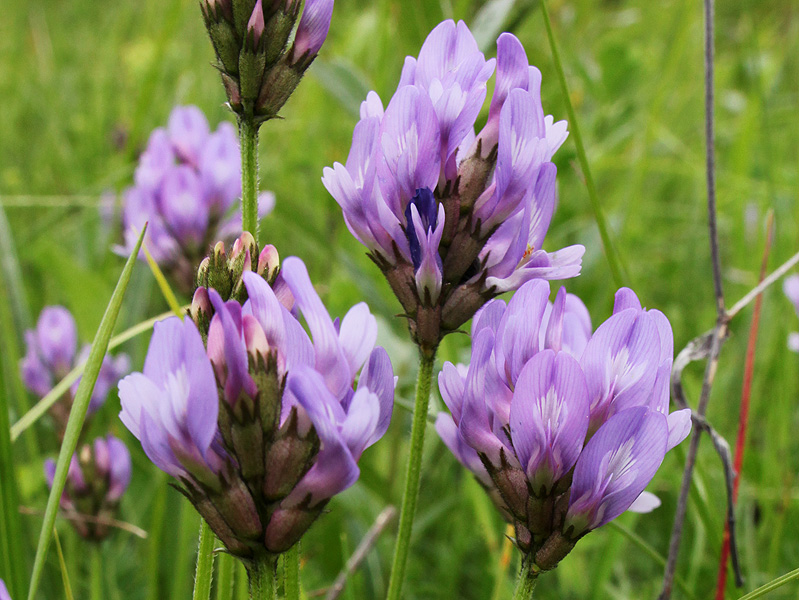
263,426
52,352
453,217
187,186
563,427
98,476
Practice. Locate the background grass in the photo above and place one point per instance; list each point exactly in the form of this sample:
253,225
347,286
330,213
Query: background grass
84,82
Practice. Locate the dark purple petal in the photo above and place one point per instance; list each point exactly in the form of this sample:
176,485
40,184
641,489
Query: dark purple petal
313,28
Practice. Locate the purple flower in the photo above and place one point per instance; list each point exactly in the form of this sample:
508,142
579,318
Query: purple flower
186,187
484,201
563,427
313,28
264,426
52,353
791,288
4,595
97,478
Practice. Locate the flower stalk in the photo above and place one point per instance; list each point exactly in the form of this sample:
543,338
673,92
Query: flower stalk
261,574
248,137
411,493
525,585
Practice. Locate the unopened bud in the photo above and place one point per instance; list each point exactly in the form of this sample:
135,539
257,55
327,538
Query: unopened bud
268,263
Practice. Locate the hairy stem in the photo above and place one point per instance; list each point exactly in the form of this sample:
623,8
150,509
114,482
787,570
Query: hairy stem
205,563
411,493
262,578
248,139
526,583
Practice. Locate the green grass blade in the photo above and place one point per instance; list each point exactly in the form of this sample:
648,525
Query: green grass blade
225,576
62,386
154,543
771,585
63,566
12,275
614,261
163,284
78,415
205,563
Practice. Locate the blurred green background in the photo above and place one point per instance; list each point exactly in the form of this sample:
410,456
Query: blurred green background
84,82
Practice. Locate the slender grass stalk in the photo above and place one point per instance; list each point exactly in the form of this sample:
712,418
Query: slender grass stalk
525,585
154,541
225,576
411,493
262,576
503,562
96,573
163,284
62,564
614,260
205,563
248,139
291,573
242,582
186,534
77,415
43,405
771,585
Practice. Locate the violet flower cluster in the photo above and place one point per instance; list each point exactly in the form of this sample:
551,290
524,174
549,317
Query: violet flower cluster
791,289
187,186
264,426
251,40
98,476
52,352
563,427
453,217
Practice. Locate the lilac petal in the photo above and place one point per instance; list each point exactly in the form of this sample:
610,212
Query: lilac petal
155,161
512,71
626,298
793,341
615,466
155,443
466,455
553,334
137,394
679,423
234,353
563,264
4,595
429,275
121,467
410,139
791,288
331,361
313,28
188,131
57,338
490,316
49,471
377,376
357,335
665,334
182,204
620,363
645,503
576,326
361,421
544,199
220,169
549,417
266,308
451,385
35,374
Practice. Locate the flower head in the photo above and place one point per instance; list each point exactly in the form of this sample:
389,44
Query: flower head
97,478
791,288
52,352
259,68
454,217
564,427
186,187
264,426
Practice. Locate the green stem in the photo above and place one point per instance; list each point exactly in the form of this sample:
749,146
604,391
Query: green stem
248,138
205,563
262,579
610,252
411,493
225,579
526,583
157,511
96,575
291,573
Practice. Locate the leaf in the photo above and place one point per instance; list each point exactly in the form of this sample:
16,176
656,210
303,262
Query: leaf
342,79
78,415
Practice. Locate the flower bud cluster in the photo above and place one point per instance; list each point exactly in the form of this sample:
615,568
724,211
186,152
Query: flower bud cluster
98,476
453,217
264,425
259,68
563,427
52,352
225,274
187,185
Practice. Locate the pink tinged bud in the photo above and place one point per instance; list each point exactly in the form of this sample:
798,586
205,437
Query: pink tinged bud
256,25
201,303
243,243
254,336
268,262
313,28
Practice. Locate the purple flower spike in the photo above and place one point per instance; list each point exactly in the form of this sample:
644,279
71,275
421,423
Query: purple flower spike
264,425
548,414
615,467
791,288
495,189
56,339
187,186
97,478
